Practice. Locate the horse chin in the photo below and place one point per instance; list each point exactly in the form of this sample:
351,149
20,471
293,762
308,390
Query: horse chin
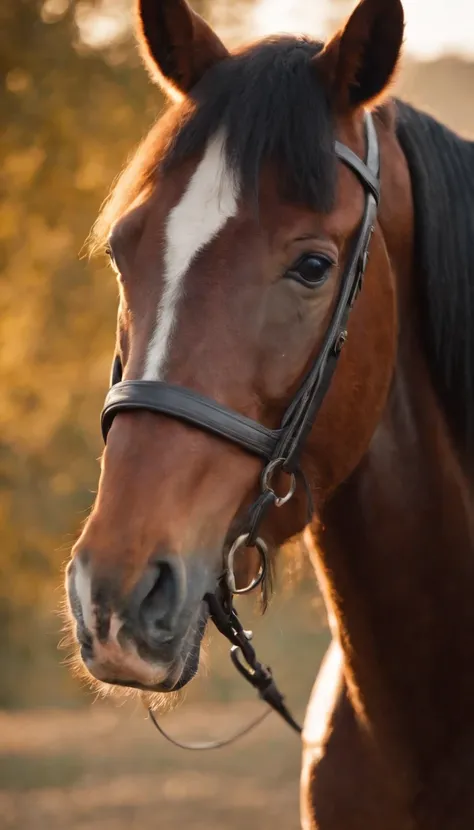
188,672
186,666
177,674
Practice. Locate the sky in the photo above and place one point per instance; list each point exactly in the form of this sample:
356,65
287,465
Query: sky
433,27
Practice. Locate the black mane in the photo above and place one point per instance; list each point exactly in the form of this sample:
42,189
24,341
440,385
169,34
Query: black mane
271,105
442,172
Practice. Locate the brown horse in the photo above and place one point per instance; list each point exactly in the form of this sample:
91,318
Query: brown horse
231,233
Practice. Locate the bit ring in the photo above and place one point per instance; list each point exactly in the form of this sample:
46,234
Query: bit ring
267,476
241,542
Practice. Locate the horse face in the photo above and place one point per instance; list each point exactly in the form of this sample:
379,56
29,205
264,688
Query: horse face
227,283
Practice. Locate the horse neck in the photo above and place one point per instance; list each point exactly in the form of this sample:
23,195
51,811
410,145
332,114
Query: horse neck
396,542
396,557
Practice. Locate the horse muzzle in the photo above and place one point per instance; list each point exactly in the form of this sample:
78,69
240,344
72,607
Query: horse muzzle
150,639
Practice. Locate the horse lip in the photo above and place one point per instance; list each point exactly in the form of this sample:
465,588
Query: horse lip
180,671
190,664
87,651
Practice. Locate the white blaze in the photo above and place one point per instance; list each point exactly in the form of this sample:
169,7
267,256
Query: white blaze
209,201
83,590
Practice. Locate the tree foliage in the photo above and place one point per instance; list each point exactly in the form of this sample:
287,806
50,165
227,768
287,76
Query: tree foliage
72,114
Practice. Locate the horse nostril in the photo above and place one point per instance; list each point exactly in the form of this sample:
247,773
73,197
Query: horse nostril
163,599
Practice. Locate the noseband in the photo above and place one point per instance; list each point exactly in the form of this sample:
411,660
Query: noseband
279,448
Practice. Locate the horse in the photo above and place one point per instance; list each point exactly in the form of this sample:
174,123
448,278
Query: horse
295,260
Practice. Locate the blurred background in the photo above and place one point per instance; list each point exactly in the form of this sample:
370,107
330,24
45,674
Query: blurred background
74,101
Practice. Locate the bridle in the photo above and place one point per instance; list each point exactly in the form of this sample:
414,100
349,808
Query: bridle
279,448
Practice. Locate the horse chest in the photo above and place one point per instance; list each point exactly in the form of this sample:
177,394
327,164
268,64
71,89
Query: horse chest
344,786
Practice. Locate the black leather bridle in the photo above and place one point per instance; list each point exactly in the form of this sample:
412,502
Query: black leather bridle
279,448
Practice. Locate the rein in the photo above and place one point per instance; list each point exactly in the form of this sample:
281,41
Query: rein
226,620
280,448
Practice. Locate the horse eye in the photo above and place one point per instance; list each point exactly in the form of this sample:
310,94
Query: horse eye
311,270
117,371
110,254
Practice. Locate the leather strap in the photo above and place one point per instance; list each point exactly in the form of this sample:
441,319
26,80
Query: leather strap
301,413
189,406
368,171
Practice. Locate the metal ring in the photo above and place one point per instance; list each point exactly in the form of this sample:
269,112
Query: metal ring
241,542
266,482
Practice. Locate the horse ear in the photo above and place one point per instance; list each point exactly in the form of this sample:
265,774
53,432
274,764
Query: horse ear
360,60
176,43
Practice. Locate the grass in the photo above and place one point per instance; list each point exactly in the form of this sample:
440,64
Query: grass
111,769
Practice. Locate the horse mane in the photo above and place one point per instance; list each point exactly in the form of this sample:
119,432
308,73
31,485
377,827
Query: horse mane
271,106
441,166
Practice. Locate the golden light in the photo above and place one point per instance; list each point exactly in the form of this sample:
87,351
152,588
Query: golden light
274,16
433,26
